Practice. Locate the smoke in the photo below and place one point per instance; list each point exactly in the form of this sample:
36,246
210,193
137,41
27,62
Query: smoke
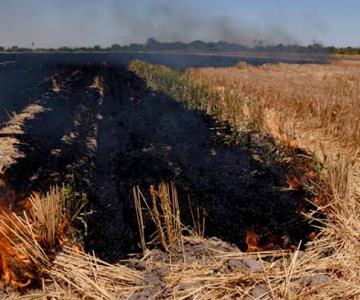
180,21
88,22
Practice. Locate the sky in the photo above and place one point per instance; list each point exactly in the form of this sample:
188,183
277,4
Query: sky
55,23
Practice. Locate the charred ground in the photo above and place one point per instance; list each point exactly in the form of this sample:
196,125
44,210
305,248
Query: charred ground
105,131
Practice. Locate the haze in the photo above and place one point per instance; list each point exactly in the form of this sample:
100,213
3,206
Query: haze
72,23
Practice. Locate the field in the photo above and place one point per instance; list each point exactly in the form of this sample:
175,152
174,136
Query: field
206,183
317,103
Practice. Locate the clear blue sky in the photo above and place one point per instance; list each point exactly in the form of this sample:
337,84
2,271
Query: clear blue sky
88,22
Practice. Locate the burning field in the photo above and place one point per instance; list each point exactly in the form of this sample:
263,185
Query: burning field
146,182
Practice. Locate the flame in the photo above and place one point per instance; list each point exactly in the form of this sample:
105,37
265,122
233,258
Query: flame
291,143
252,241
310,174
62,232
14,262
294,183
312,235
20,237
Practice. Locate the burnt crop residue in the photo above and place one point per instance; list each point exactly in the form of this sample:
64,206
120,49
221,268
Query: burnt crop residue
105,131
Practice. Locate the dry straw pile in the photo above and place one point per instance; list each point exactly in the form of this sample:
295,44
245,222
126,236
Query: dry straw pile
178,262
37,249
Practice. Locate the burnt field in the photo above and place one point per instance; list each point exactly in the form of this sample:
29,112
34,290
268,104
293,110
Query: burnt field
100,128
174,182
24,75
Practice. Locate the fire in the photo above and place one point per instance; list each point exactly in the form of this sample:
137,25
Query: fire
294,183
14,261
310,174
312,235
24,250
292,143
252,241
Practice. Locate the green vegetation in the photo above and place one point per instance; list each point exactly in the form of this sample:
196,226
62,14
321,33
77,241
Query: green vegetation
347,50
176,84
181,86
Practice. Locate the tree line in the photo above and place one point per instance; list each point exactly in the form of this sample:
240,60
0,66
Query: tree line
200,46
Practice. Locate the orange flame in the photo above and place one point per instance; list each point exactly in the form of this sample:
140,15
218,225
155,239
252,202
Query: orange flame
16,267
252,241
294,183
312,235
13,262
310,174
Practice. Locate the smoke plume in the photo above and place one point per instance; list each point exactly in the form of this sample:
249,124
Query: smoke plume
177,21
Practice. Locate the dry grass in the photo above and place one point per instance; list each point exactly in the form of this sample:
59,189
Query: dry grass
9,152
34,251
215,270
323,271
303,103
76,275
88,277
27,241
48,213
192,267
164,212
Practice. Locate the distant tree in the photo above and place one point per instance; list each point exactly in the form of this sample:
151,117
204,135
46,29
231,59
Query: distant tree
2,49
97,48
331,49
23,49
82,49
115,47
65,49
136,47
13,49
152,43
335,50
316,46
